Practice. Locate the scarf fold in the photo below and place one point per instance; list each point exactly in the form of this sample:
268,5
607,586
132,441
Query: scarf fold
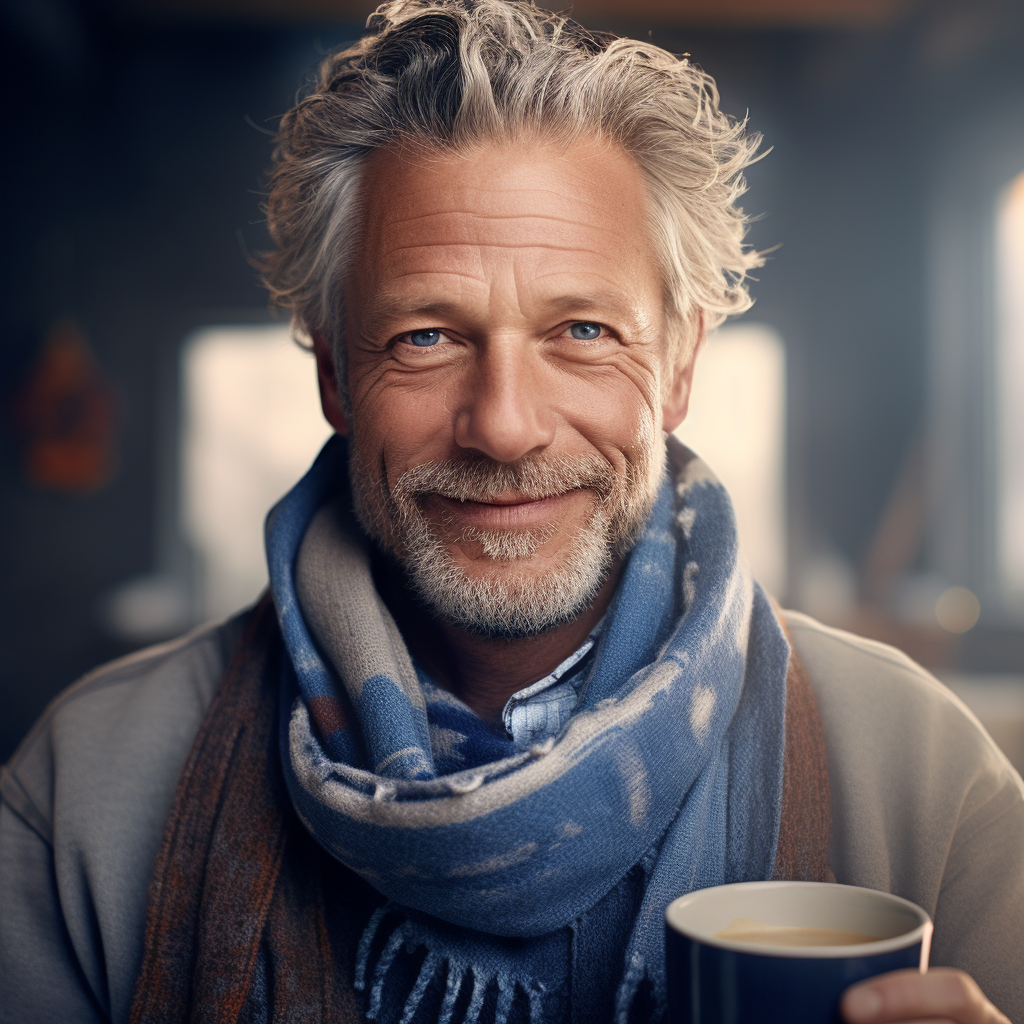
673,756
236,871
708,706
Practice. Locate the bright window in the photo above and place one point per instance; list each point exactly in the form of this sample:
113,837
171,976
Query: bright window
737,424
252,426
1010,384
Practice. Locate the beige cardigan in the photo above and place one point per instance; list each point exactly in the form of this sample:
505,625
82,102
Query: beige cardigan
923,805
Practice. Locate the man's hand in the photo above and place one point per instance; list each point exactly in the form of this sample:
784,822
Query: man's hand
942,996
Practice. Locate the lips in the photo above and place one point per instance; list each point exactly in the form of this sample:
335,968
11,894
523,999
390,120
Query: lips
505,513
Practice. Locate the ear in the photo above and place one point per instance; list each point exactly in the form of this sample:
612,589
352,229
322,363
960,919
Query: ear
676,400
330,390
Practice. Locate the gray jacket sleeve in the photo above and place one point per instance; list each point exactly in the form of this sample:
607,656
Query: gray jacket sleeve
84,803
924,804
41,979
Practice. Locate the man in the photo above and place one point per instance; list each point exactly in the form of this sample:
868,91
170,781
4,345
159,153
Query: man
514,691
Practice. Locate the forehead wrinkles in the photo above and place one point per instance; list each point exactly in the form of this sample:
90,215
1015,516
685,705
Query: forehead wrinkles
458,188
522,230
499,178
536,250
540,215
536,269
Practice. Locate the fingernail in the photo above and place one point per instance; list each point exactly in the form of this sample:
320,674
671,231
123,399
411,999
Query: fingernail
862,1003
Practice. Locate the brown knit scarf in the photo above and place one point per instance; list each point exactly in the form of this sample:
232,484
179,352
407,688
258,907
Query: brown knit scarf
237,870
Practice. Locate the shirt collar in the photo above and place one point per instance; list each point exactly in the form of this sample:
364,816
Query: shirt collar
538,711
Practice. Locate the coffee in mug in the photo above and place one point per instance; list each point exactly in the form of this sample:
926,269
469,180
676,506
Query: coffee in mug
780,952
759,932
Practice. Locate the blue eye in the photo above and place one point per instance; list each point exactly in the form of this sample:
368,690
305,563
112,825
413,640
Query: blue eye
585,331
424,339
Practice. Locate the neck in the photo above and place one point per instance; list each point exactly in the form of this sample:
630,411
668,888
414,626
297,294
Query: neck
483,673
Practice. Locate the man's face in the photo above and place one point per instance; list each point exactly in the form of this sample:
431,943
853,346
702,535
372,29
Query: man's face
507,371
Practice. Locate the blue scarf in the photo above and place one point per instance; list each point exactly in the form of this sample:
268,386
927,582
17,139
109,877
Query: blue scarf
671,763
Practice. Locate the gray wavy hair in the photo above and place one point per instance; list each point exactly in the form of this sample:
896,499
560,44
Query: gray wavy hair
450,74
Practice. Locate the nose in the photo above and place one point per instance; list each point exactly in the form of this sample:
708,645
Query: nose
505,413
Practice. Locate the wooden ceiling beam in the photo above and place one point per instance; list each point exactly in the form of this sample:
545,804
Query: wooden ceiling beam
734,14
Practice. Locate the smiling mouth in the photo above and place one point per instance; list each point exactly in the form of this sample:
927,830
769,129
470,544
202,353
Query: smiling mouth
511,512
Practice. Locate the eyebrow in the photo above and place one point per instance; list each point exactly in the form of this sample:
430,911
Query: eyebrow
565,304
385,310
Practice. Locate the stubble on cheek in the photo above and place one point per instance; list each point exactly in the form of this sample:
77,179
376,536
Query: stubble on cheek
400,516
510,582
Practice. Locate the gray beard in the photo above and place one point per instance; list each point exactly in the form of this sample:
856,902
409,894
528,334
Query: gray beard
508,604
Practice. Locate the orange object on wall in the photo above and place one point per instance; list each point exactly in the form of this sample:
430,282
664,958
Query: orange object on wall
66,415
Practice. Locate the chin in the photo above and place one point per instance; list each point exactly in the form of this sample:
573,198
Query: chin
511,599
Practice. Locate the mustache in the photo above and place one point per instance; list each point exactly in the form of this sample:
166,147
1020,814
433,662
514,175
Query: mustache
483,479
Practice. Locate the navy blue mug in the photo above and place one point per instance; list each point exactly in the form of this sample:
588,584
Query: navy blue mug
783,952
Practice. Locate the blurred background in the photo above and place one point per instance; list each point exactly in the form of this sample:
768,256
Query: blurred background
867,414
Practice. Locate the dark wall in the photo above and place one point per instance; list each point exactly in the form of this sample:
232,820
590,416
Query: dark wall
840,197
134,162
135,156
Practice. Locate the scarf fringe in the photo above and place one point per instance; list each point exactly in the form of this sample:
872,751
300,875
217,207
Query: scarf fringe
628,988
636,966
387,958
430,967
436,967
452,988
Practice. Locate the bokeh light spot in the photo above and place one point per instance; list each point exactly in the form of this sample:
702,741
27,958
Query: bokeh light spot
957,610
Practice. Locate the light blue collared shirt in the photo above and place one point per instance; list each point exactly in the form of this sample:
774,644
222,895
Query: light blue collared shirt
541,709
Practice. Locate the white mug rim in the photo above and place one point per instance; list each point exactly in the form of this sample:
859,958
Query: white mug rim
921,933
